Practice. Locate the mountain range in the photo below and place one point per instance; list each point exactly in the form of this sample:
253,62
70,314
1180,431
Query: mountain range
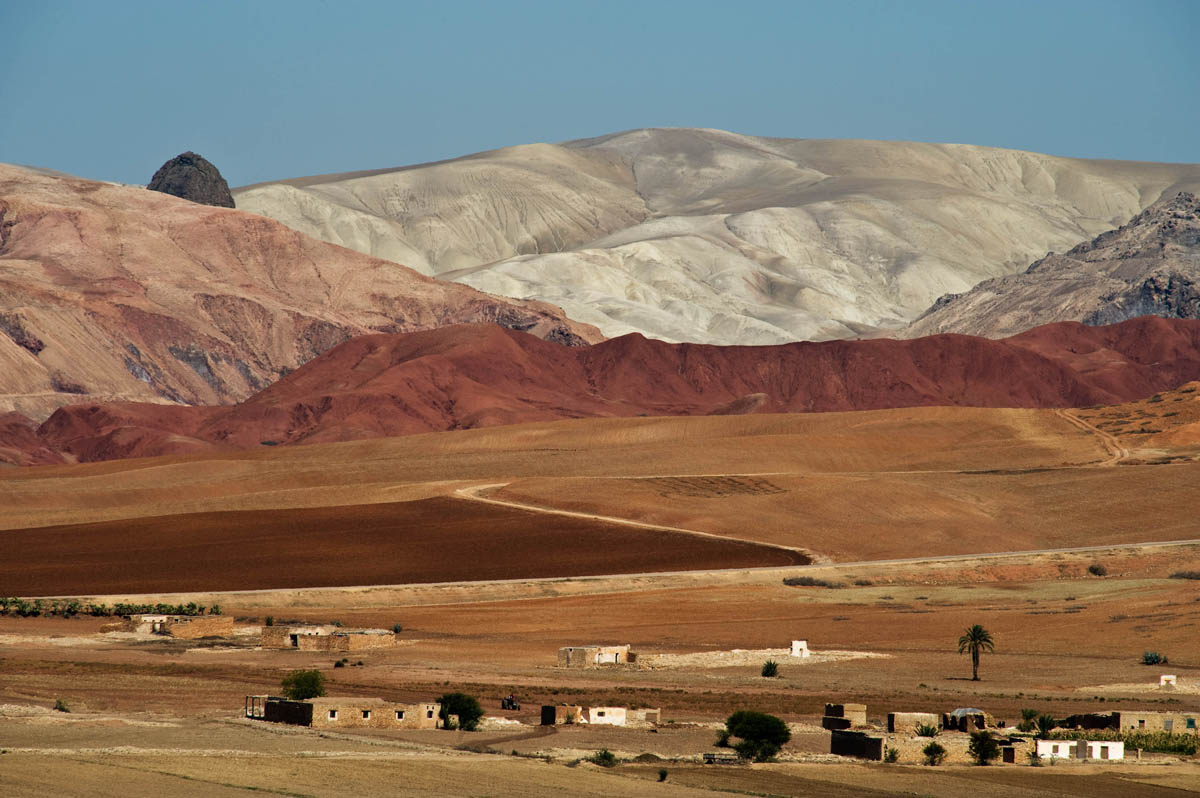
468,376
1148,267
715,237
110,292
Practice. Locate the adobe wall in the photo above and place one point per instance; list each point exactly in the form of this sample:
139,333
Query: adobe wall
382,715
907,722
276,637
1158,721
200,626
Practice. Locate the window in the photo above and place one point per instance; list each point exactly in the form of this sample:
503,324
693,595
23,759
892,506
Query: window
333,714
1169,724
366,714
1141,723
600,713
399,714
429,713
1191,723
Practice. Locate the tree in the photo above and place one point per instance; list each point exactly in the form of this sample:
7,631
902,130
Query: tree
983,747
466,707
760,734
975,639
301,685
1045,724
935,754
1028,720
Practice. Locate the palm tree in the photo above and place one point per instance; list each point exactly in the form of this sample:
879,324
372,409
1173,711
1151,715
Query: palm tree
975,639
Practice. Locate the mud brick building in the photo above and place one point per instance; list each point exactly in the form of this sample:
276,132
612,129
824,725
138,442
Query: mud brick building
592,656
326,638
344,713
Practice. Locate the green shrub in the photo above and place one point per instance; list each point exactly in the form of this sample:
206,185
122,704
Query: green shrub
339,664
466,707
1154,658
301,685
722,738
662,774
61,706
604,758
770,669
397,628
1035,759
1186,575
934,754
891,756
760,735
1028,720
983,747
927,730
1097,569
270,621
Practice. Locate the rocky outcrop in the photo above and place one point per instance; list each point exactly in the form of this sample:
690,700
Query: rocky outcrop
1148,267
111,293
468,376
192,177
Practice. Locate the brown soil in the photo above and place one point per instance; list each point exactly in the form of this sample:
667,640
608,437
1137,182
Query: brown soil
433,540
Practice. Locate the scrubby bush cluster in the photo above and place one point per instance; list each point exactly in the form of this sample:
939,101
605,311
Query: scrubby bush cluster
770,669
69,608
810,581
934,753
927,730
1154,658
760,735
983,747
1186,575
1097,569
465,707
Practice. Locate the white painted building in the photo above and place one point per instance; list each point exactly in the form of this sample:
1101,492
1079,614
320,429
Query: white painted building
800,648
1066,749
613,716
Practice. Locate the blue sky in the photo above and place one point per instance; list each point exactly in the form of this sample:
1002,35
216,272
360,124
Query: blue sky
268,90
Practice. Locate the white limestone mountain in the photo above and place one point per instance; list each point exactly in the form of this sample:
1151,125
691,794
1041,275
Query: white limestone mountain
716,237
1148,267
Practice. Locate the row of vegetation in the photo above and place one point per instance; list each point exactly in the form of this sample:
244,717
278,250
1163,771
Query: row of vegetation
1161,742
69,608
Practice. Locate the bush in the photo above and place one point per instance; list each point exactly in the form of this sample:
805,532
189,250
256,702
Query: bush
1035,759
662,774
604,758
891,756
339,664
983,747
927,730
810,581
270,621
61,706
1186,575
722,738
760,734
397,628
301,685
934,754
466,707
770,669
1028,720
1154,658
1097,569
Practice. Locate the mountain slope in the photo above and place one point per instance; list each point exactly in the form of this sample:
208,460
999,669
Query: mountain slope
481,375
1150,266
715,237
116,293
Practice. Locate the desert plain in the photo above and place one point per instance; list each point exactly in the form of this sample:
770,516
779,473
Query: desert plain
494,547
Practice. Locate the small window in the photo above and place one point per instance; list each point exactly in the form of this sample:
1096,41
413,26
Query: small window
399,714
1141,723
1191,723
333,714
429,713
600,714
1169,724
366,714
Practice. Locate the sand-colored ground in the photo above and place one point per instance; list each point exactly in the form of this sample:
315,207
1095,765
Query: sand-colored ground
161,716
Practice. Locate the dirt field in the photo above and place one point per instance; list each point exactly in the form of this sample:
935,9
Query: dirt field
155,717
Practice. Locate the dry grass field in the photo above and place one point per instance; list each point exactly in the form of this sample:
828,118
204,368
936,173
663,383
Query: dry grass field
858,490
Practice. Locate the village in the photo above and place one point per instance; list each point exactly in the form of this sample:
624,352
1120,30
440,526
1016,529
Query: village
958,735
